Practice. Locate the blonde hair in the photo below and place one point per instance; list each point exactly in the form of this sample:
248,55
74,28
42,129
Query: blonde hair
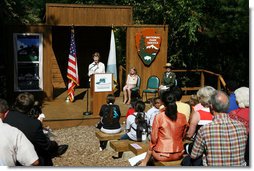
96,54
204,95
133,69
242,97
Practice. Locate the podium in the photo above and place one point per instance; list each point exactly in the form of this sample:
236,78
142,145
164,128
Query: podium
101,86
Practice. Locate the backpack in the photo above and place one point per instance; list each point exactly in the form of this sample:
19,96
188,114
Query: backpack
141,123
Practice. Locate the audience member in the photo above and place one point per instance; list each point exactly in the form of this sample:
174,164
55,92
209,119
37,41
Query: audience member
201,116
168,130
131,82
222,142
193,101
182,107
242,113
168,79
32,128
152,112
132,124
15,147
131,109
110,116
36,112
231,87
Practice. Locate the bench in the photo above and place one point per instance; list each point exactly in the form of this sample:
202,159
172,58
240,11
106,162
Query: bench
138,147
120,145
105,137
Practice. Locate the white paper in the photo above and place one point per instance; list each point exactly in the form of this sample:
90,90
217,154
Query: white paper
137,158
136,146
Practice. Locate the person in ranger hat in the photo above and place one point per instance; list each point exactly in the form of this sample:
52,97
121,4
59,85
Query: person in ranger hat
168,79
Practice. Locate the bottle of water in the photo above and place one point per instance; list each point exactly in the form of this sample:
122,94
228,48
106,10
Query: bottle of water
144,135
124,127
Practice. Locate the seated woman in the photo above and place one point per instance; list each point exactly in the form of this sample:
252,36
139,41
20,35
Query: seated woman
131,82
131,122
201,114
134,123
110,116
168,130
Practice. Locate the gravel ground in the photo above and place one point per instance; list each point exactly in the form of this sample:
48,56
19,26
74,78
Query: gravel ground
84,149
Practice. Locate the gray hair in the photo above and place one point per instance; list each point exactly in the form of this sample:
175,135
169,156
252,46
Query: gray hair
204,94
219,104
242,97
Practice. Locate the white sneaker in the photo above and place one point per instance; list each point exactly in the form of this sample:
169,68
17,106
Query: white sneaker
100,149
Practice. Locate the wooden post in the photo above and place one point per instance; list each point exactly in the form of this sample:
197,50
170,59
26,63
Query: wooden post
218,84
202,79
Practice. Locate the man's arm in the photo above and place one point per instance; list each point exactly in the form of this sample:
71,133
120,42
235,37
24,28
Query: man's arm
199,145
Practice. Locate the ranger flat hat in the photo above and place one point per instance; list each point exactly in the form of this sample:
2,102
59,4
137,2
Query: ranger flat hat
168,65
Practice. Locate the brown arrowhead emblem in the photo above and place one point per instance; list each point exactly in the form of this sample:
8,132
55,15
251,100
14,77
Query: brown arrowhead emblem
148,44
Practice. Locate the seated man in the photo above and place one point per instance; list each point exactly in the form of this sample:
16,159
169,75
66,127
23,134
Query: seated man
168,79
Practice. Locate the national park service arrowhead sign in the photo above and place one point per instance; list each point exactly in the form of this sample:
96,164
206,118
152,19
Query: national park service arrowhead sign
148,44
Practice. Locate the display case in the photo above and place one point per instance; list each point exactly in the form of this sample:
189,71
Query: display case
28,60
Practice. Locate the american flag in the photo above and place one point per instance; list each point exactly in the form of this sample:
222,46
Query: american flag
72,70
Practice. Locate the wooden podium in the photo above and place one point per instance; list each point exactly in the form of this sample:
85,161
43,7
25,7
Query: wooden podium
101,86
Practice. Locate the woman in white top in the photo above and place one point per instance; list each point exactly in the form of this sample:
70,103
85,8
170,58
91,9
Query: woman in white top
131,82
96,66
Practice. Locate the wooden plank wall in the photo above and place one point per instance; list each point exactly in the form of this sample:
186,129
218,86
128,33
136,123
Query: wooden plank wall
133,59
87,15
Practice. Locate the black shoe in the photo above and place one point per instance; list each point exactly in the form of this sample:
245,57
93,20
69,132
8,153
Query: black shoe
62,149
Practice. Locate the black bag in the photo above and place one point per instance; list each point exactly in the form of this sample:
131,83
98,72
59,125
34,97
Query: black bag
188,161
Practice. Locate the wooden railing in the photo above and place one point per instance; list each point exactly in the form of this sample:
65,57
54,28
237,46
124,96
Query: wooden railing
121,71
204,74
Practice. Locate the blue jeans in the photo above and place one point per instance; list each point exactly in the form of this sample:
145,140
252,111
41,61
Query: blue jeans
125,137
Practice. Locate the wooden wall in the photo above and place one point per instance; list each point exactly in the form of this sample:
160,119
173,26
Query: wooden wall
133,59
88,15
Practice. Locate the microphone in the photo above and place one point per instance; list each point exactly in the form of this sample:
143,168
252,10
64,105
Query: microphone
92,66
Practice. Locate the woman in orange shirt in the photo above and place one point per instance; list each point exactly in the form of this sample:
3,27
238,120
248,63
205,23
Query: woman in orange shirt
168,130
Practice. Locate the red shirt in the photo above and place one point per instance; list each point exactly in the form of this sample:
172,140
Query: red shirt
242,115
130,112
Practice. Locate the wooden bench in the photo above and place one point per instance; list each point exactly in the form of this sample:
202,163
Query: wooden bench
141,148
120,145
169,163
105,137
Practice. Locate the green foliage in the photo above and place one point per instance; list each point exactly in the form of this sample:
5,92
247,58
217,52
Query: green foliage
213,35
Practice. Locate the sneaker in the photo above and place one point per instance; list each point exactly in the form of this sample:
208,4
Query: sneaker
100,149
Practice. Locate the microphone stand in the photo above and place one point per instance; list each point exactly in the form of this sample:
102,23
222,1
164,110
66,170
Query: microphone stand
87,112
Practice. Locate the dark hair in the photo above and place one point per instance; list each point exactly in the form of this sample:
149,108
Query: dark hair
140,106
169,101
35,111
24,102
110,101
154,100
3,106
177,91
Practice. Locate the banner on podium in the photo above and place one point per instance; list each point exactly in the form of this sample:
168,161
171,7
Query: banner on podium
102,82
